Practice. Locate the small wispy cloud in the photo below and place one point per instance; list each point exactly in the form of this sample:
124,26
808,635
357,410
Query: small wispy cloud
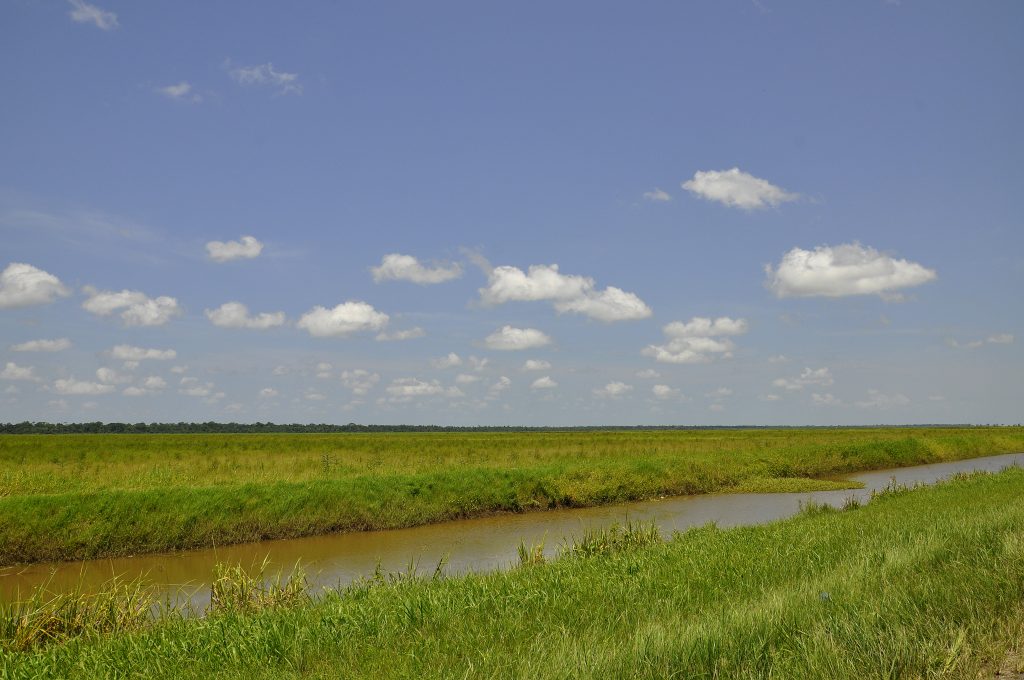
657,195
267,76
179,91
84,13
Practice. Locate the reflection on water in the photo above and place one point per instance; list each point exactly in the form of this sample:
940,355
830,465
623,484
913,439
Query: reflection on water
467,545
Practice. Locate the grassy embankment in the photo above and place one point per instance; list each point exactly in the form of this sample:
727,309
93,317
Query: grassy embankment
916,584
79,496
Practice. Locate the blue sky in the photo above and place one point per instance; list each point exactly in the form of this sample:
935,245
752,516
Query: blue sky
679,213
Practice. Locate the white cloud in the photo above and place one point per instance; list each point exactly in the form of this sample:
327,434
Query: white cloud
278,370
808,376
178,91
22,285
998,339
154,382
264,74
360,381
133,391
224,251
720,393
466,378
13,371
665,392
716,407
177,370
268,393
408,334
57,345
536,365
877,399
449,361
737,189
826,399
847,269
198,390
313,396
478,363
84,13
657,195
568,293
610,304
778,359
130,353
80,387
405,389
397,267
510,338
109,376
648,374
343,320
771,397
544,383
613,390
137,309
502,384
697,341
236,315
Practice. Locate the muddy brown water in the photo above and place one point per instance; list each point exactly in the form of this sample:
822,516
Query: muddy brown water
478,545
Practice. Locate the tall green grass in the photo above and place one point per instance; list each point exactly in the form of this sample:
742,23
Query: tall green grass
926,583
84,496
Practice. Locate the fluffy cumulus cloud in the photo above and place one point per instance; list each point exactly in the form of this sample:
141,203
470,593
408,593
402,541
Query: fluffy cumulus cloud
13,371
737,189
697,341
136,308
84,13
847,269
613,390
343,320
450,361
109,376
466,379
808,376
245,248
154,382
360,381
511,338
70,386
236,315
397,267
132,353
58,345
544,383
407,389
536,365
267,76
568,293
664,392
22,285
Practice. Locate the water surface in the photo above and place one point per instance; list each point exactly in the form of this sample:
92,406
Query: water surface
482,544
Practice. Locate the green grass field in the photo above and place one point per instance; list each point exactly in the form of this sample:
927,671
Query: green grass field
68,497
926,583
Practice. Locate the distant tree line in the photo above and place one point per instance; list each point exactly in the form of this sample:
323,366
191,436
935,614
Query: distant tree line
266,428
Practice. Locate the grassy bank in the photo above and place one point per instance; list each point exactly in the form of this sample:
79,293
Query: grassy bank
81,496
926,583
